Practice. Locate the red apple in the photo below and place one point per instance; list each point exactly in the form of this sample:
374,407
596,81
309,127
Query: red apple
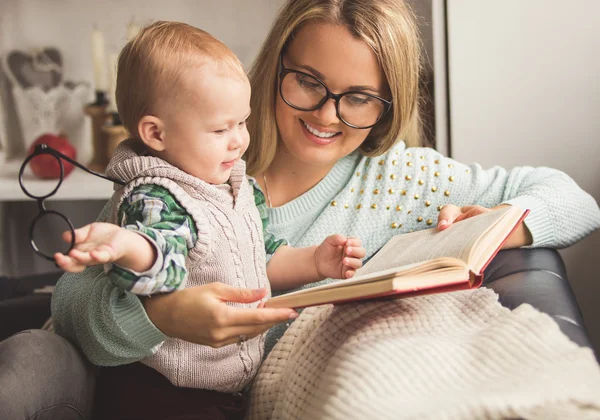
46,165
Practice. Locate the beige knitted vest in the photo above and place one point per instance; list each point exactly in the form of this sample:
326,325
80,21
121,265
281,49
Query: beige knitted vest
229,249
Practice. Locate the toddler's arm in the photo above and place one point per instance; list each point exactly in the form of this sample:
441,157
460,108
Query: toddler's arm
337,257
152,216
101,243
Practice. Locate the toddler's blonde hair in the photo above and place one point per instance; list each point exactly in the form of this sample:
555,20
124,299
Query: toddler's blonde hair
150,67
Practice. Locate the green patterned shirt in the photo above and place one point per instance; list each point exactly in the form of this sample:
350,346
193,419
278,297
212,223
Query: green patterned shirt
271,243
153,212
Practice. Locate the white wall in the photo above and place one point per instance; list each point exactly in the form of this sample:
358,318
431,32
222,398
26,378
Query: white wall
241,25
525,90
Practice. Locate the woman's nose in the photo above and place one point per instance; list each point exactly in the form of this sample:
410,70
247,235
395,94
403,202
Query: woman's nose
327,113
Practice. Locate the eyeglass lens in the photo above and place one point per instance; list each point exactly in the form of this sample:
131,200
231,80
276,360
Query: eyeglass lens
45,234
35,187
305,92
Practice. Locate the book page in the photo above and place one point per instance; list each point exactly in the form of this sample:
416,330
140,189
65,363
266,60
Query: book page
342,291
454,242
433,266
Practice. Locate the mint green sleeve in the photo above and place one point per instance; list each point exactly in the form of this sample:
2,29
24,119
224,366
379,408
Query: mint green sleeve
109,324
561,212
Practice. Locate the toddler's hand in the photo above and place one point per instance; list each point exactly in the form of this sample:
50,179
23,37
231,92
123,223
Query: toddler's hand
339,257
96,243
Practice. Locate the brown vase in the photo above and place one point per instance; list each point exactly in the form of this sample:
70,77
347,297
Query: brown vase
115,134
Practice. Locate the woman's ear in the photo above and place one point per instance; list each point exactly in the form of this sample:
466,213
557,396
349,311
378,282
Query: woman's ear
151,130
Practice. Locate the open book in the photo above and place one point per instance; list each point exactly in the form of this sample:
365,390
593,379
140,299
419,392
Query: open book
427,261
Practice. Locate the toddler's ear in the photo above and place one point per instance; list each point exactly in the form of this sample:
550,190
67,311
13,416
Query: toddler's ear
151,131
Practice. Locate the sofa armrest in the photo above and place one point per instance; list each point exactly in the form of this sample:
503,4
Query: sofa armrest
537,277
15,287
20,307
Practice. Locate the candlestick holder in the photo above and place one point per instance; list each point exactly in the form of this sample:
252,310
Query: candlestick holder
98,114
115,133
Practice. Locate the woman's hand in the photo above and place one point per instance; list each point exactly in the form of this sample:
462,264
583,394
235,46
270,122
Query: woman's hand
452,214
201,315
339,257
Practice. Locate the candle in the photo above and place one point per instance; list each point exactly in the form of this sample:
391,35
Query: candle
99,60
3,140
132,30
114,60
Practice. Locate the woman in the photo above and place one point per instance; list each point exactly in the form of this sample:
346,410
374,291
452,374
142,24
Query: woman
331,162
334,89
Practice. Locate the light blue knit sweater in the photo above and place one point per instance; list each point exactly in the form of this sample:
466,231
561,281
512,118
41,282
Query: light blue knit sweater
372,198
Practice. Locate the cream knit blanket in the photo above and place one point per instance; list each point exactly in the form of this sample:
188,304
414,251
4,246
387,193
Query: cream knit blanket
449,356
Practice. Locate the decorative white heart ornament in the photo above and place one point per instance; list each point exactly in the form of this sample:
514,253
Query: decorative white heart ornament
43,102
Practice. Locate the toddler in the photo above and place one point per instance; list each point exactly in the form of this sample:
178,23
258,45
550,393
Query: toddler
187,214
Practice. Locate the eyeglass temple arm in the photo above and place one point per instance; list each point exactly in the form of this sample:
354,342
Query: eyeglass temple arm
45,149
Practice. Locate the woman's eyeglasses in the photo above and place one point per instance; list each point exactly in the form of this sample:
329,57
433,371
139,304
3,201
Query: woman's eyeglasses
305,92
40,196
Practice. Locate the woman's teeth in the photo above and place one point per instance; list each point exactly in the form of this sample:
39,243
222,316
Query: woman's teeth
318,133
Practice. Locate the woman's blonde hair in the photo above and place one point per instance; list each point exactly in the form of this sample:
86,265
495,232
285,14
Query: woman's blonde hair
151,65
388,26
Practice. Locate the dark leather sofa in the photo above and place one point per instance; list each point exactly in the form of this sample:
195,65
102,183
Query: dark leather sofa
20,307
538,277
534,276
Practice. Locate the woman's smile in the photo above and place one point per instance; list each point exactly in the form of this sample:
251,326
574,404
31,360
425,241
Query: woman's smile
319,136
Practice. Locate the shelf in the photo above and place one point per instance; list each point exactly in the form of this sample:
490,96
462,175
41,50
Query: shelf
78,185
